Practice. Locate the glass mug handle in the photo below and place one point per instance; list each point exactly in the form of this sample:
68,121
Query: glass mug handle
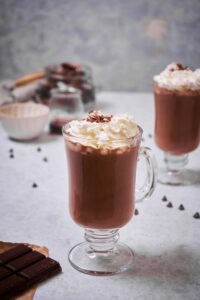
148,187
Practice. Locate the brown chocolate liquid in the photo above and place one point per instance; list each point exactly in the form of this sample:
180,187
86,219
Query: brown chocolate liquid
177,120
102,186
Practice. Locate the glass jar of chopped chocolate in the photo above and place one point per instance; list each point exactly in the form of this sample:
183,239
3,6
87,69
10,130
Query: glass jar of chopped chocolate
75,75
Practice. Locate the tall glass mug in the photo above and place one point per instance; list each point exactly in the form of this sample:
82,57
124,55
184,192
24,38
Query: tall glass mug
177,121
102,194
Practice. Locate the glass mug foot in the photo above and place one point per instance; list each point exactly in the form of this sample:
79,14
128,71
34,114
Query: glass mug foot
183,177
101,254
175,172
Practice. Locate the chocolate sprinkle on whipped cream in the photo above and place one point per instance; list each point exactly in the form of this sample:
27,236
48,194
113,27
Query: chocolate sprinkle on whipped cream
179,67
96,116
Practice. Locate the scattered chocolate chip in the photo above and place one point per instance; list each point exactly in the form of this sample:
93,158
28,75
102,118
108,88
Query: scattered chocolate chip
164,198
169,205
136,212
45,159
196,215
143,140
181,207
11,155
150,135
39,149
34,185
11,150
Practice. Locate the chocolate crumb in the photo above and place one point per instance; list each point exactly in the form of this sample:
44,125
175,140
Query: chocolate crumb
34,185
45,159
39,149
136,212
11,155
196,215
169,205
181,207
164,198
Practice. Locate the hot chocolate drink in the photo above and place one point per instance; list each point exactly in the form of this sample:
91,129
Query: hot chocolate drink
177,109
102,155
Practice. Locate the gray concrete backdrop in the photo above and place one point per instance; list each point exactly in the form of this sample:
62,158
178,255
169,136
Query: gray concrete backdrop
124,41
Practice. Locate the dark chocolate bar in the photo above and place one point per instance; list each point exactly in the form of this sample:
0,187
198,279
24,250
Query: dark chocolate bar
21,267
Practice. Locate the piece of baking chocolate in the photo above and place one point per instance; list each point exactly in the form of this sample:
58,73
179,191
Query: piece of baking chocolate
4,272
25,260
11,286
21,267
13,253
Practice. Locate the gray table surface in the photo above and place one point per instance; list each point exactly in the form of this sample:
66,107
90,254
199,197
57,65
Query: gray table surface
166,240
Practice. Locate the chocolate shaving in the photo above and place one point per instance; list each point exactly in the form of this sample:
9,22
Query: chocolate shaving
95,116
180,67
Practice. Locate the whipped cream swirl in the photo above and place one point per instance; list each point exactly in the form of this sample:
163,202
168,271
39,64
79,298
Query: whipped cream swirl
179,77
99,131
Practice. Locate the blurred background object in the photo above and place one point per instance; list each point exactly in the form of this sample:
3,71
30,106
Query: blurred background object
24,121
124,42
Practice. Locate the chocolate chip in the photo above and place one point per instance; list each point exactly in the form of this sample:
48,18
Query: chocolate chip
143,140
45,159
136,212
39,149
11,150
164,198
169,205
34,185
11,155
181,207
150,135
196,215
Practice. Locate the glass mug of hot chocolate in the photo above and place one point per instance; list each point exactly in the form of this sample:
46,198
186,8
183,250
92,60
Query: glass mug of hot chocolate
102,153
177,121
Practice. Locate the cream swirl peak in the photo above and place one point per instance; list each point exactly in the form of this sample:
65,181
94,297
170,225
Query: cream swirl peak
98,130
178,77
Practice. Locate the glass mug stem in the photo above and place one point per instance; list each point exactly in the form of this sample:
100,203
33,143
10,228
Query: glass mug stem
101,241
175,163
